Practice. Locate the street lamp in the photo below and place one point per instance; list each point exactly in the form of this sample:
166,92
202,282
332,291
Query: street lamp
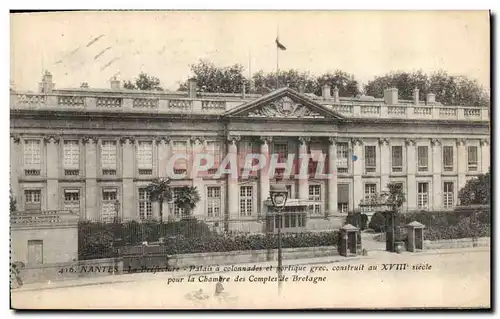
171,205
117,210
279,195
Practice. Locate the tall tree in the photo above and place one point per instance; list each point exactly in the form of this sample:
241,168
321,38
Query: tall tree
12,202
187,198
477,191
160,190
144,82
211,78
449,90
345,82
266,82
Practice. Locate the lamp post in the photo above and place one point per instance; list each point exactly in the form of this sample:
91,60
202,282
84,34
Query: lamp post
170,208
279,195
117,211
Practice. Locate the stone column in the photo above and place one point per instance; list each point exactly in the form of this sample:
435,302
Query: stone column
128,196
384,163
15,160
357,172
264,173
303,178
485,155
332,178
91,189
197,148
164,153
437,161
52,162
232,181
411,168
462,158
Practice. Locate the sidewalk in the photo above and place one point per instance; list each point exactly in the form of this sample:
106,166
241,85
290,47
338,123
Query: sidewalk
125,278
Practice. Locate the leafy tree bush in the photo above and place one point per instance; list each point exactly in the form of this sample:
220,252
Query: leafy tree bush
224,243
378,222
144,82
449,90
476,191
358,220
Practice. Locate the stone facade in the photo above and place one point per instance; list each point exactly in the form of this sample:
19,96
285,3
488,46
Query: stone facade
93,150
44,238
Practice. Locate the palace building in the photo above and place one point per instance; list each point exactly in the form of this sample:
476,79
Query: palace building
94,151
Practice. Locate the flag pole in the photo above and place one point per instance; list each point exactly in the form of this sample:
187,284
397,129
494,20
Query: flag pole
249,70
277,58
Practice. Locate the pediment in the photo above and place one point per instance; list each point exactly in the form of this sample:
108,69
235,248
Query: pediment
283,103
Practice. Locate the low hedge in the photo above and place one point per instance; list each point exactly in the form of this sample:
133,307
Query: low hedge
224,243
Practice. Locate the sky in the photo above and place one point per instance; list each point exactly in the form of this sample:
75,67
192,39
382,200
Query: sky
92,47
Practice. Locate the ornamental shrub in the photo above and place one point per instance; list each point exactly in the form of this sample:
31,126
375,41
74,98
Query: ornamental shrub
378,222
226,243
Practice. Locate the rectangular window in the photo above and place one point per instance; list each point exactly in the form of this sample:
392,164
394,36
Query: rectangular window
71,152
245,148
214,149
343,198
423,195
448,194
213,201
472,158
397,159
109,209
315,195
72,200
180,165
108,157
32,199
370,190
289,190
423,158
145,207
370,159
145,156
448,158
343,157
281,149
317,155
35,252
32,153
246,198
178,212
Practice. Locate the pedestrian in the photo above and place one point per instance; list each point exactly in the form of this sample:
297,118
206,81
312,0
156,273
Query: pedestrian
219,289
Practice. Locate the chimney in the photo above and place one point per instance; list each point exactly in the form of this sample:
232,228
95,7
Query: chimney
431,98
391,96
46,85
302,88
84,85
336,94
115,83
415,96
192,88
325,92
243,90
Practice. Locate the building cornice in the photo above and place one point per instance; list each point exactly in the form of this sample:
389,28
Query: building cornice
190,117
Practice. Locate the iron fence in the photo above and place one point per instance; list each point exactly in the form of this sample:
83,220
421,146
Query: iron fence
114,239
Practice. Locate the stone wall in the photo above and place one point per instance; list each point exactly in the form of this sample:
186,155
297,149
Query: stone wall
251,256
457,243
60,244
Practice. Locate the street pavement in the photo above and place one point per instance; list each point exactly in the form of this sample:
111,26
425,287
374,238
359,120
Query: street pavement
444,278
